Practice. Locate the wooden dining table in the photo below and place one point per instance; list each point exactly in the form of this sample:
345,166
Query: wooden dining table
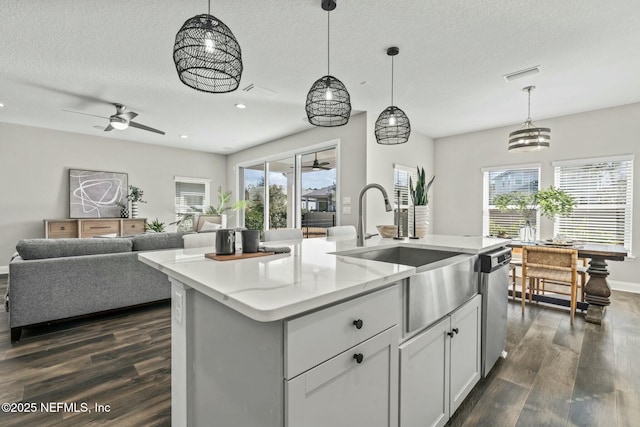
597,289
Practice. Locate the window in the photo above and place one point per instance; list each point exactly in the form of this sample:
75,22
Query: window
192,194
603,191
401,175
504,180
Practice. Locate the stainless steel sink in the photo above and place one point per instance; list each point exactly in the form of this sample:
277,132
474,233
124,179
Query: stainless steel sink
415,257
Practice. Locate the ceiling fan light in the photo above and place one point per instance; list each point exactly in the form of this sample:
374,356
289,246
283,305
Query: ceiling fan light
118,123
207,55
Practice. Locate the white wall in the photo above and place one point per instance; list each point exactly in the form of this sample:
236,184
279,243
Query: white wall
418,151
457,207
351,157
34,176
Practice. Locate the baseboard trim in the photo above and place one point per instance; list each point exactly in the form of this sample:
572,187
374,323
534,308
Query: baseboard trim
617,285
4,269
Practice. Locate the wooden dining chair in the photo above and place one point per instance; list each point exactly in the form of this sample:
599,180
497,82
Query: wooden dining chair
552,264
514,265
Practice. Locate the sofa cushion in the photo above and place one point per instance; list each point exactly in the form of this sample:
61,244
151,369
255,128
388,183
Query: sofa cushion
156,241
57,248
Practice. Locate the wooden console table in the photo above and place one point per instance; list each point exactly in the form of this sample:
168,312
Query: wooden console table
597,289
89,227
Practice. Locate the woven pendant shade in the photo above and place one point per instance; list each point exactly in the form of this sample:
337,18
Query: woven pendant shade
530,137
328,101
392,127
207,55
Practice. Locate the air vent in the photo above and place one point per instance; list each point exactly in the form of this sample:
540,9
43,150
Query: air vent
522,73
255,89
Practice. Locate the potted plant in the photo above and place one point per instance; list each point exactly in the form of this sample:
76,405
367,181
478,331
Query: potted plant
420,199
155,226
135,196
551,201
220,210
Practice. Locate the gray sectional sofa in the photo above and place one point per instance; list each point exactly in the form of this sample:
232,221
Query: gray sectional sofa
53,279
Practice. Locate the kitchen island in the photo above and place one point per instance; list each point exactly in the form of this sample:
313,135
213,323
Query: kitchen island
273,341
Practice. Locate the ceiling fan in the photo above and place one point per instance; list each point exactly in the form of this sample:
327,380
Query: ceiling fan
318,165
121,120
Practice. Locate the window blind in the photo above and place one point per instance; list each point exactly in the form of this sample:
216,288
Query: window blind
190,194
504,181
401,175
603,191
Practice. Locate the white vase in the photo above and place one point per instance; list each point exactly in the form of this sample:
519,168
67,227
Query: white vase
421,220
134,209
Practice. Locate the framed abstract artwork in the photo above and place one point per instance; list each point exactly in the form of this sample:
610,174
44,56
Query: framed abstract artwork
96,194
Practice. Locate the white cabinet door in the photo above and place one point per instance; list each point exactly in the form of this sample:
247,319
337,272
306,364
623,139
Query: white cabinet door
424,378
358,387
465,350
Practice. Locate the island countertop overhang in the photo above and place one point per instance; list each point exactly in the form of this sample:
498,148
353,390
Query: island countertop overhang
313,275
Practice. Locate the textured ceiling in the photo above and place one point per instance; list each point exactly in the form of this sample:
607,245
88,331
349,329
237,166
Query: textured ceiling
84,55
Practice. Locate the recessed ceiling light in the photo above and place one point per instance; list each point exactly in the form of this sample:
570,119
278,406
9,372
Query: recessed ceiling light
184,136
1,105
241,106
522,73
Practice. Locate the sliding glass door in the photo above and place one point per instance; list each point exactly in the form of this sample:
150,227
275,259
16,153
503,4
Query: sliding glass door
295,191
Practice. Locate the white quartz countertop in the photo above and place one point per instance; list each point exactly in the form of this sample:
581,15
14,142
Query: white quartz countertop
279,286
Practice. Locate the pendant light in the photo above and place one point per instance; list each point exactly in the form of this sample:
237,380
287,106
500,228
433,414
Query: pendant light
328,101
207,55
392,126
530,137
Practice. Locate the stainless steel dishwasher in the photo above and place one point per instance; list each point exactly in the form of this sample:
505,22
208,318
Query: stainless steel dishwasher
494,287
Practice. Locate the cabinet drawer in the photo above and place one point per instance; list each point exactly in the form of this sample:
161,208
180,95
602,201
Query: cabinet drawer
132,226
318,336
347,391
97,228
62,229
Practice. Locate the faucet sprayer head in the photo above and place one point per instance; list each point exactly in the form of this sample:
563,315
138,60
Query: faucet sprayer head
387,206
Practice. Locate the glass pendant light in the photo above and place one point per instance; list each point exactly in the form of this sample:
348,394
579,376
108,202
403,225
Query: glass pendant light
393,126
328,101
207,55
530,137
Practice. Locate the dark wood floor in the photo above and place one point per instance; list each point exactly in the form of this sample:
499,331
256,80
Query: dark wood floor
554,375
122,360
559,375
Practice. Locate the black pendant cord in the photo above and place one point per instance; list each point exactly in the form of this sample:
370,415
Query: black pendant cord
392,81
529,107
328,41
209,9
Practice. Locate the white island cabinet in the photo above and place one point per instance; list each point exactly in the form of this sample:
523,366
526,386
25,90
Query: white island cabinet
439,367
308,338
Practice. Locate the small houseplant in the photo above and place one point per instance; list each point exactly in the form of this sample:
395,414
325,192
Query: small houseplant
420,199
551,201
220,210
155,226
135,196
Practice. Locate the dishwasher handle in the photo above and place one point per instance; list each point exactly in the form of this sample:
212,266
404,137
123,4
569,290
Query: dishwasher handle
491,261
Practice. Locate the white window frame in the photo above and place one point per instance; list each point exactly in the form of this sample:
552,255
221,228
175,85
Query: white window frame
627,207
486,208
192,180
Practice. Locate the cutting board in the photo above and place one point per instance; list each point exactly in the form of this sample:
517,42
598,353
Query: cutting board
234,257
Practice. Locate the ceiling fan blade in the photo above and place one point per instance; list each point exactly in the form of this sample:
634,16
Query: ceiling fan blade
109,128
143,127
86,114
324,163
129,115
